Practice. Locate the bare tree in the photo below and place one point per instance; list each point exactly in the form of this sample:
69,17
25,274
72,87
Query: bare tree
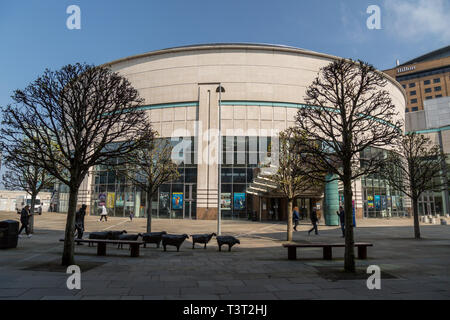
148,168
288,177
70,120
349,112
30,178
413,167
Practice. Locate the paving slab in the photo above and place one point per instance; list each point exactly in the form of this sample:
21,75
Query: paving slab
258,268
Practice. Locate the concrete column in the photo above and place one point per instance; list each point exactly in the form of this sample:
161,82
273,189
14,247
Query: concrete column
331,201
207,173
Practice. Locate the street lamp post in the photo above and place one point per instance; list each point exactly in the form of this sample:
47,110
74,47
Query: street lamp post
219,165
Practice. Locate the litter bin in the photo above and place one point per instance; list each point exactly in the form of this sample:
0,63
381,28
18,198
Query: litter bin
9,234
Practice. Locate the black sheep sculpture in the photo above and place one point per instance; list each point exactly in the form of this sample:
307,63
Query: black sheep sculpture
116,234
100,235
127,237
104,235
173,240
153,237
201,238
229,240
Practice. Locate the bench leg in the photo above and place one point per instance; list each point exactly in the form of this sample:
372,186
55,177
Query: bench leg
101,249
292,253
134,250
327,253
362,252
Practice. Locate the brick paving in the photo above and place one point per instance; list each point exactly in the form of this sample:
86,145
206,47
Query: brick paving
256,269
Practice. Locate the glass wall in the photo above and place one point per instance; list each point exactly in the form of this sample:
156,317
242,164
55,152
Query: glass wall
380,200
175,199
241,155
432,202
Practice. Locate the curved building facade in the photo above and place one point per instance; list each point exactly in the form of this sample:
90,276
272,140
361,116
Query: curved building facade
255,91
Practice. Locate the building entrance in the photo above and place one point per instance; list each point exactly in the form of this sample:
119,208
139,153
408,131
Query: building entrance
190,204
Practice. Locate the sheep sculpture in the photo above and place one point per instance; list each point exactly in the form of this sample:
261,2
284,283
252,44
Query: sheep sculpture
229,240
173,240
201,238
99,235
116,234
153,237
127,237
106,235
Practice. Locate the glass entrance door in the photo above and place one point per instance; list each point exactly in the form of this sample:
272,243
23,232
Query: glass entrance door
190,203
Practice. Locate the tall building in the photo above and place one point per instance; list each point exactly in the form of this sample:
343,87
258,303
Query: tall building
424,78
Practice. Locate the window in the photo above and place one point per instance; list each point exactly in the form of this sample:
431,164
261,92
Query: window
427,90
415,109
413,100
406,110
437,88
437,80
428,97
404,86
413,93
423,74
427,82
439,96
412,85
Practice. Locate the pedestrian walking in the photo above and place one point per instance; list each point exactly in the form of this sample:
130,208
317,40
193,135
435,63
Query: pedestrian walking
104,214
131,216
295,217
314,221
79,222
25,215
341,214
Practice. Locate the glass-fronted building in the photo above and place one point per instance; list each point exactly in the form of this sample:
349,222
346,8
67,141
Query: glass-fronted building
240,94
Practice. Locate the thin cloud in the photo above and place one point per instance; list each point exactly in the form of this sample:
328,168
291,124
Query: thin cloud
418,19
352,22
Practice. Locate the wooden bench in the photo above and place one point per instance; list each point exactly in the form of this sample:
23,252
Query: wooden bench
327,249
101,245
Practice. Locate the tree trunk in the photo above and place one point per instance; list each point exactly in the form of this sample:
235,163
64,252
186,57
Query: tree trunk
68,254
416,218
149,212
33,201
289,222
349,264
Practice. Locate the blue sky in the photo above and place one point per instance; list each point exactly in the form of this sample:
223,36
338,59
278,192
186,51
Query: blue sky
34,36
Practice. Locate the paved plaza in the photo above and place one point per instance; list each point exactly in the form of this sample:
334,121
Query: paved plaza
258,268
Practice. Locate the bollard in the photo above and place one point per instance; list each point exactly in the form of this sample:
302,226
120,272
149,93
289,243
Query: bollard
434,221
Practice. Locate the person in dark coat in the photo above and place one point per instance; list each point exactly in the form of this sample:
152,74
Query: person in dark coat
314,220
295,217
79,222
341,214
25,219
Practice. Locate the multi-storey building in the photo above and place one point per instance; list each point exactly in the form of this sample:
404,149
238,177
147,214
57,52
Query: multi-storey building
424,78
